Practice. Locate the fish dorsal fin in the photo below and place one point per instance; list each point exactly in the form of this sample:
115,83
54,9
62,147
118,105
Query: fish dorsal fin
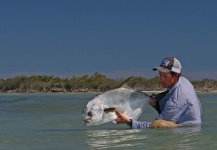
124,84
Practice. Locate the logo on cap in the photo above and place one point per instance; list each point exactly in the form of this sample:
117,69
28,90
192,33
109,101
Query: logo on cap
165,63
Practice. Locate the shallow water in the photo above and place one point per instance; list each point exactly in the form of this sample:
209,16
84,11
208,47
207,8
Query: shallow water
53,121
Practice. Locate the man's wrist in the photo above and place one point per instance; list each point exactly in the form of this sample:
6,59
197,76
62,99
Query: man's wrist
130,123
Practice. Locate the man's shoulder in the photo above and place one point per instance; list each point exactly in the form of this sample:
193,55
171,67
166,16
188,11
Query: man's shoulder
184,79
184,82
185,87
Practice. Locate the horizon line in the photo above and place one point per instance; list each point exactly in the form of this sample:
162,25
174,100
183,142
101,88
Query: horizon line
194,75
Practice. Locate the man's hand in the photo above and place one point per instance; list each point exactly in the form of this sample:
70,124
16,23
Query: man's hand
153,101
122,118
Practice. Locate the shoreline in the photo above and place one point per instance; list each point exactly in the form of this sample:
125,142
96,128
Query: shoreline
82,92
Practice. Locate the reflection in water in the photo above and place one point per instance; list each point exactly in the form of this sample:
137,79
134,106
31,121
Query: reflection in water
173,138
102,139
188,130
187,135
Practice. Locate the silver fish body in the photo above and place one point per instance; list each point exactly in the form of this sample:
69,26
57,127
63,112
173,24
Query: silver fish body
127,100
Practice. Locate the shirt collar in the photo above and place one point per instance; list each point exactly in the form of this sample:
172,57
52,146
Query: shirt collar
175,86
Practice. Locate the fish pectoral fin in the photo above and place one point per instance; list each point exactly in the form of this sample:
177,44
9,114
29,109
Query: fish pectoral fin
109,110
112,109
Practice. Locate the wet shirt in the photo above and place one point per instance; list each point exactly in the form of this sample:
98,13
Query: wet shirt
180,105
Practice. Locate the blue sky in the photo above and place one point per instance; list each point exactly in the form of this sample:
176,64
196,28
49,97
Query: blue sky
118,38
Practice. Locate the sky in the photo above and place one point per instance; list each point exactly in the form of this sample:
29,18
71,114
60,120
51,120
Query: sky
118,38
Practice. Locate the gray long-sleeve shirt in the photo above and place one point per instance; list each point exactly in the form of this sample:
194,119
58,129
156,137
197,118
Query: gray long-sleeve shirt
180,105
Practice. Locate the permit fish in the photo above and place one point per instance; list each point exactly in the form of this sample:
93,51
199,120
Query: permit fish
101,109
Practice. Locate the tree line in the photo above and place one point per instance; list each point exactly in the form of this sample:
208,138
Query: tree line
94,83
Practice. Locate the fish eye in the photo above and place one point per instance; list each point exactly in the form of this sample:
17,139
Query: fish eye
89,113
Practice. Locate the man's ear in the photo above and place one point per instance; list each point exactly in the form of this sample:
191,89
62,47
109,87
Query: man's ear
174,74
177,75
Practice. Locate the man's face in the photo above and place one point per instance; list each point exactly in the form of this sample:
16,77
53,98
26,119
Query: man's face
166,79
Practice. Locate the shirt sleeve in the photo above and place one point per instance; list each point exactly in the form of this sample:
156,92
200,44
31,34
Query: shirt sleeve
140,125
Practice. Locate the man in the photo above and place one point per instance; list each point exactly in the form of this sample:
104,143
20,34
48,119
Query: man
180,105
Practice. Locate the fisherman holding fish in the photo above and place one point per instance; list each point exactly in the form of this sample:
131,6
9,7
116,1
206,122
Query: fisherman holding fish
180,104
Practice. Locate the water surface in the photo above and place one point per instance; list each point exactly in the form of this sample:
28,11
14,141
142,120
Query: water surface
53,121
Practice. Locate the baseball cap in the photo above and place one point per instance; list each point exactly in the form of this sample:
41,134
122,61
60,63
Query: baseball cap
169,64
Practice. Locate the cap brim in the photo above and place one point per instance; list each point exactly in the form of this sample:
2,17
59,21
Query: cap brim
161,69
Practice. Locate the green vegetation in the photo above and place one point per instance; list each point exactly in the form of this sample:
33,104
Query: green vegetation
94,83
